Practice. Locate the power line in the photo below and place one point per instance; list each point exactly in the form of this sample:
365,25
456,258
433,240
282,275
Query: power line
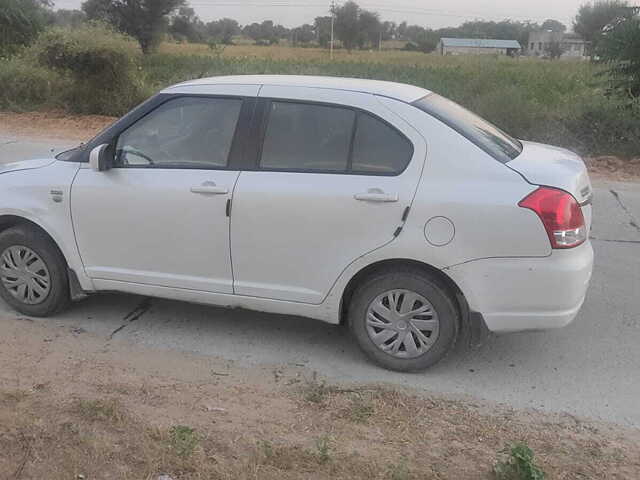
382,8
404,9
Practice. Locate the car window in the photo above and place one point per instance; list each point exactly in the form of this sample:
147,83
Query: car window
307,137
485,135
379,148
190,132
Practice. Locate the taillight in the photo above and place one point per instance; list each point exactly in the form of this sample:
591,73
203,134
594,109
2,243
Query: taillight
560,214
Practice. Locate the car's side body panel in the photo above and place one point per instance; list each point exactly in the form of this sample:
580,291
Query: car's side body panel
516,294
165,223
146,226
293,233
42,196
477,194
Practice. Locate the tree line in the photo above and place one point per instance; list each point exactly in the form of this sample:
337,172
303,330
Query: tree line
149,21
611,27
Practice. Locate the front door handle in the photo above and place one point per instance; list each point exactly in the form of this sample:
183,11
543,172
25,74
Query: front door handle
209,188
376,195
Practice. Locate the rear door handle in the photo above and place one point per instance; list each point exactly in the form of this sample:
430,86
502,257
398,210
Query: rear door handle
209,188
376,195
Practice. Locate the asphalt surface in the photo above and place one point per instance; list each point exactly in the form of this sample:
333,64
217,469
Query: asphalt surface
590,368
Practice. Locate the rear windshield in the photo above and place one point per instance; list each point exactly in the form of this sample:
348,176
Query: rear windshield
484,134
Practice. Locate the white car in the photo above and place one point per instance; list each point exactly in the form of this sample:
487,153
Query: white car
379,205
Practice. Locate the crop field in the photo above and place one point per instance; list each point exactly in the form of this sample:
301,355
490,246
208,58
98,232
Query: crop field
558,102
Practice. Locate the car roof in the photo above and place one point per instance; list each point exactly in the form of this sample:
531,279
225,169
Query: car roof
399,91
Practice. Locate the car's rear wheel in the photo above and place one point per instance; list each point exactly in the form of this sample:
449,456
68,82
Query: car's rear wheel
33,272
404,320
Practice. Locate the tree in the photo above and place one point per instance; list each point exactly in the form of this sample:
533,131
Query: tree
592,18
20,23
144,20
322,27
421,39
553,50
303,34
346,24
265,33
370,28
100,10
223,30
68,18
402,31
389,30
553,25
186,25
619,48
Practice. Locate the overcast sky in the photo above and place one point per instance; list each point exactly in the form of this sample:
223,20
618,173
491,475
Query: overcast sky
426,13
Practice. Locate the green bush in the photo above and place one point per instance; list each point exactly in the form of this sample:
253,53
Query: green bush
25,86
20,23
101,64
519,465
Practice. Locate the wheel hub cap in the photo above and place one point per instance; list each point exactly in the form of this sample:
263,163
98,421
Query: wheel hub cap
402,323
24,274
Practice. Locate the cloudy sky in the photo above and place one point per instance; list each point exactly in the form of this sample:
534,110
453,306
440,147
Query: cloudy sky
427,13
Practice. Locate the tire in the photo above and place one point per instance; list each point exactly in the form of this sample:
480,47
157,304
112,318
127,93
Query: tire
23,242
438,317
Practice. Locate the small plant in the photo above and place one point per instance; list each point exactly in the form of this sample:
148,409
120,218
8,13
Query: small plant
323,449
399,471
361,409
519,464
314,390
266,448
183,439
100,410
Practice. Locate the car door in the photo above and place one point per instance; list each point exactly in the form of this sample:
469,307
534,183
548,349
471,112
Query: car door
333,176
158,216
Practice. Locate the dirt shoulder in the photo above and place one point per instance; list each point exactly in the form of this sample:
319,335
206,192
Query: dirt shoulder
73,403
54,124
61,125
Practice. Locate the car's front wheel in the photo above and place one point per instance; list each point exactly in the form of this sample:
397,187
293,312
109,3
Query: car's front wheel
404,320
33,272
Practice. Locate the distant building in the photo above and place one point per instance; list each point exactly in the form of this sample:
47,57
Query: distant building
478,46
571,45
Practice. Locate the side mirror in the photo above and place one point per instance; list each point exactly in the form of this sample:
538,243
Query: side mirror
99,158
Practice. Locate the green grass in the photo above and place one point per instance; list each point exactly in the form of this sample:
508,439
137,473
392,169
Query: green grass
183,440
361,409
562,103
99,410
519,465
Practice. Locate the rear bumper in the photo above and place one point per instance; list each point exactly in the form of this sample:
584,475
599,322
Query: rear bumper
516,294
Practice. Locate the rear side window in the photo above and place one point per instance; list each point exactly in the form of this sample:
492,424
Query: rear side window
485,135
307,137
379,148
319,138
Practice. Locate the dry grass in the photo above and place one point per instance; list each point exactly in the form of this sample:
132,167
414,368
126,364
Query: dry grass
80,406
53,124
406,438
284,52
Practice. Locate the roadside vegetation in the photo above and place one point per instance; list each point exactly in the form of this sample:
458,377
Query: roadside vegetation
101,60
73,407
95,71
102,438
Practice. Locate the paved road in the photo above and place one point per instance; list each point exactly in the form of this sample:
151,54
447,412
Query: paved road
591,368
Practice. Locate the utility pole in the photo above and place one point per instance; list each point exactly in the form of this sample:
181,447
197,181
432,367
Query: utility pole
333,9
